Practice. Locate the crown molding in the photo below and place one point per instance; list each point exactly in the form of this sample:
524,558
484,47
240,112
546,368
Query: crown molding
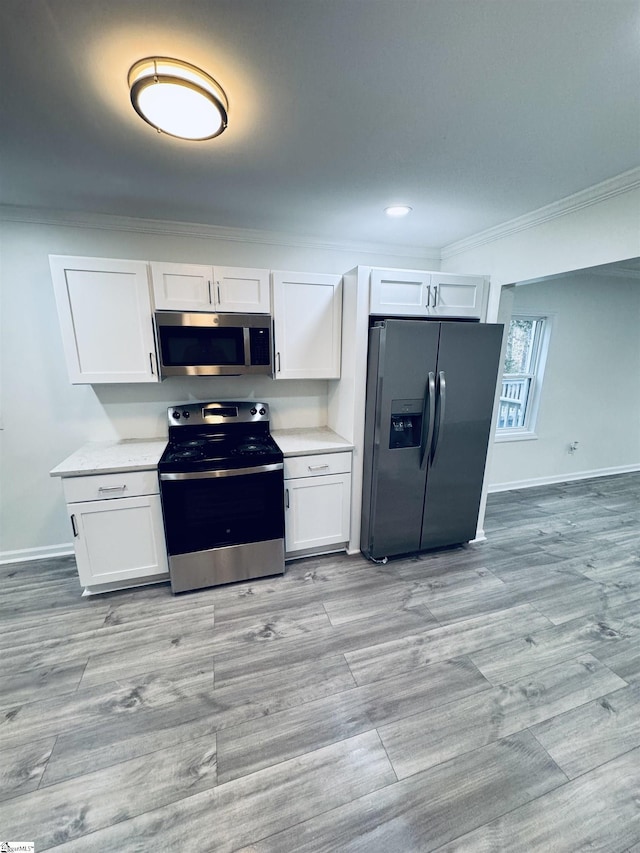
610,188
110,222
621,272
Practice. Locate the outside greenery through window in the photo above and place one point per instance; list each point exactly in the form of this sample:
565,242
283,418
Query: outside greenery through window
522,376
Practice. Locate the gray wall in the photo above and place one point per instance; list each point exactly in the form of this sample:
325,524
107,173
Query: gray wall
591,390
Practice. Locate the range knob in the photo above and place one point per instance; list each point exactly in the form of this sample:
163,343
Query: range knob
176,415
263,411
186,414
254,411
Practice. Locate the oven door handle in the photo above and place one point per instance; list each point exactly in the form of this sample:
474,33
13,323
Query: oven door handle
232,472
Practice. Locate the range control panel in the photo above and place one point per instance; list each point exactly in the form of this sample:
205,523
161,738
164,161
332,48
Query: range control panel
204,414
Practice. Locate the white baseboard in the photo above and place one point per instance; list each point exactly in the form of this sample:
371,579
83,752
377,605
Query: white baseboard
43,553
562,478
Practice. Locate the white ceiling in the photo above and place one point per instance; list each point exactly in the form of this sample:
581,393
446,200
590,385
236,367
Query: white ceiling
471,111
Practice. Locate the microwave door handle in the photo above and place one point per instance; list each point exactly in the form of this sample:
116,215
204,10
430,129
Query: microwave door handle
246,337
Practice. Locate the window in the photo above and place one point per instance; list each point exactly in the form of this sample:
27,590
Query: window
525,356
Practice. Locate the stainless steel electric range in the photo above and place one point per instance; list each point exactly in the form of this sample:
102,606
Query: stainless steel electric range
222,488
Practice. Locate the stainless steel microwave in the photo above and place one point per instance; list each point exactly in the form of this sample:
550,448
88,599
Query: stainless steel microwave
206,344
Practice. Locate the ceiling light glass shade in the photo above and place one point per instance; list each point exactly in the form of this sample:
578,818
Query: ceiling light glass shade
397,210
177,98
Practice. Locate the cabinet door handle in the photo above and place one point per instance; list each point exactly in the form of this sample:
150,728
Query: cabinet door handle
218,292
428,296
278,362
73,527
209,286
112,488
153,373
286,494
316,467
435,295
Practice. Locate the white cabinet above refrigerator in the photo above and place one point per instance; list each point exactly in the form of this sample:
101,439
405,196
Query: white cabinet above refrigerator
415,293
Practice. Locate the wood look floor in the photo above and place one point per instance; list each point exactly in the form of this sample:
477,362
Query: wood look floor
485,698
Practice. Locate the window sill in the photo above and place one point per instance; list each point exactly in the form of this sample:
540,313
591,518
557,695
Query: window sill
515,435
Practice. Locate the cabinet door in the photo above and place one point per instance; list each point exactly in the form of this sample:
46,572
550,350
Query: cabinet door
317,511
119,540
242,290
182,287
104,307
307,316
402,293
457,295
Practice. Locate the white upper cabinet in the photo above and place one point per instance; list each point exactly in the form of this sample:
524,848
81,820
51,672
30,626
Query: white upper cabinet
404,292
198,287
182,287
104,307
410,293
307,317
242,289
457,295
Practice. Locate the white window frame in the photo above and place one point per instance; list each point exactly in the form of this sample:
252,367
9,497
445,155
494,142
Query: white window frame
535,378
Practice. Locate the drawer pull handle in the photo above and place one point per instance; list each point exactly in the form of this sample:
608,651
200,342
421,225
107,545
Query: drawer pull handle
73,527
112,488
317,467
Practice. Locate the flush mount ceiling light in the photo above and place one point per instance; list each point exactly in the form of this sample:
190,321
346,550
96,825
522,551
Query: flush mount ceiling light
177,98
397,210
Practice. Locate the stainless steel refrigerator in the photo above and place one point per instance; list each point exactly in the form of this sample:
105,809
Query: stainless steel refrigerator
430,394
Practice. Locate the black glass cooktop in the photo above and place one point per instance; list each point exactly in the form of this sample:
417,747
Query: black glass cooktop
201,452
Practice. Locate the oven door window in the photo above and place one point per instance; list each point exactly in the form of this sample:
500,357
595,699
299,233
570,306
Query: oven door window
184,346
211,513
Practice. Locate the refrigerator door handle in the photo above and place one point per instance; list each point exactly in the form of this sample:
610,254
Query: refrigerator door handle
442,399
427,434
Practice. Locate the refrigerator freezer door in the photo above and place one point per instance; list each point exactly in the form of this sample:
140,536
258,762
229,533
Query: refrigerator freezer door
402,353
468,361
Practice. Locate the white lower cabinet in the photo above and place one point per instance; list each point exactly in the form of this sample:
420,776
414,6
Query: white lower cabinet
118,530
317,503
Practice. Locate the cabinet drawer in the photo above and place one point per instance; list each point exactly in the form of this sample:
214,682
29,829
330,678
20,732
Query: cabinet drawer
317,511
98,487
317,465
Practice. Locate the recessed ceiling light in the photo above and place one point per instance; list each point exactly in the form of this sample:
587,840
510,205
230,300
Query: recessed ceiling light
177,98
397,210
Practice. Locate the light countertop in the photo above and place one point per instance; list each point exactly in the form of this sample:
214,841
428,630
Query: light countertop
307,441
132,454
112,457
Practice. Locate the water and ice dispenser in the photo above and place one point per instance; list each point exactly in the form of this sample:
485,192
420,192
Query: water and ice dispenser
406,424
